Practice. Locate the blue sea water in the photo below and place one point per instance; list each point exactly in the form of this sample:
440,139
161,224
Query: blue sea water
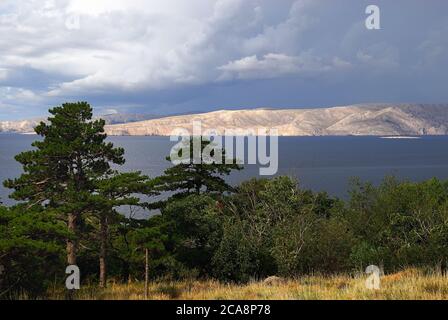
319,163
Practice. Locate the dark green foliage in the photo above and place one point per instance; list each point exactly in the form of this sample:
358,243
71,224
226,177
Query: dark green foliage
400,223
235,258
188,177
129,242
271,226
68,176
113,192
62,172
62,168
30,251
194,230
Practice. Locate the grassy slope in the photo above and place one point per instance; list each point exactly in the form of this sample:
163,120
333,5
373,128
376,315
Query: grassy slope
408,284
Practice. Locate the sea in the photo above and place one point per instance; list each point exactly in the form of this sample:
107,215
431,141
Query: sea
318,163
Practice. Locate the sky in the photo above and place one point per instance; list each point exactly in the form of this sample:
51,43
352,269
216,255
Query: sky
179,56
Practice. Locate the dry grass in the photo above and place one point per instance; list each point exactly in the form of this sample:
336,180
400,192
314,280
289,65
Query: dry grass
408,284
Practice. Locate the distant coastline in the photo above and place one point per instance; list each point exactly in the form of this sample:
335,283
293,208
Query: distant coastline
388,121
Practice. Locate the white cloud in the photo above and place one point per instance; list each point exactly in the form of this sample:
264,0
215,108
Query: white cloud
18,100
3,74
139,45
275,65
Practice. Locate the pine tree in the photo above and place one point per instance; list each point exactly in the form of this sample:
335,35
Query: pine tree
62,172
188,178
115,191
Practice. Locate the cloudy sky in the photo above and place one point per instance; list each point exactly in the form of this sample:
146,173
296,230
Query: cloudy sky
175,56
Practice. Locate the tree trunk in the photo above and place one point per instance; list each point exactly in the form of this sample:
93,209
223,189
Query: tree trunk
146,273
72,244
103,251
72,247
